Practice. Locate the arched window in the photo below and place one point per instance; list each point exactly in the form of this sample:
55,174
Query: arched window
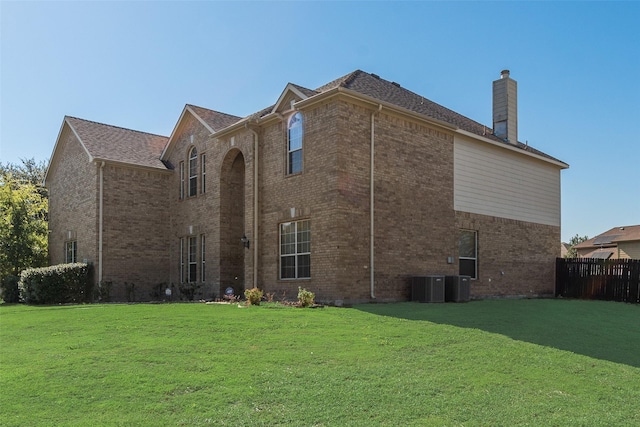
193,172
294,144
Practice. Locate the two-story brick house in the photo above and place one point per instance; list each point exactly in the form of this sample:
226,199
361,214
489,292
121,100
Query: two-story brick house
348,190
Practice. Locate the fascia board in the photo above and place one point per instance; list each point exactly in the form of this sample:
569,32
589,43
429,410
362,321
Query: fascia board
209,128
283,95
468,134
229,129
55,147
374,102
173,133
131,165
79,139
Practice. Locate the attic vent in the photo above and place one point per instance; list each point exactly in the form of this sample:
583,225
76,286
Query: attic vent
375,75
395,84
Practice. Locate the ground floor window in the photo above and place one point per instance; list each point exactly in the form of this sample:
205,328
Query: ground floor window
295,250
182,260
468,253
202,258
71,251
193,266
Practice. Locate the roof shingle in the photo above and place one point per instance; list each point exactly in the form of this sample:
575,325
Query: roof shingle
106,142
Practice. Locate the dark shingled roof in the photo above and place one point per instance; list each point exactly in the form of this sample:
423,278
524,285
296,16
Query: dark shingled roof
383,90
373,86
215,119
106,142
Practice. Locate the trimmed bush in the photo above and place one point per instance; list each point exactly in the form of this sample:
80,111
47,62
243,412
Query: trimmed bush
58,284
305,298
9,289
253,295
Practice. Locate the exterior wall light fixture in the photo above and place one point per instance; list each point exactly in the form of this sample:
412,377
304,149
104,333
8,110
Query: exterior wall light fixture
245,241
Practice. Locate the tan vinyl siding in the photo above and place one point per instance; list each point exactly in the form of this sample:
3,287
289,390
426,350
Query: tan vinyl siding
629,250
498,182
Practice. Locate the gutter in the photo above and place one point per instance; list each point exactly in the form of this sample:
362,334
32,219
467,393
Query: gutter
101,221
255,204
371,205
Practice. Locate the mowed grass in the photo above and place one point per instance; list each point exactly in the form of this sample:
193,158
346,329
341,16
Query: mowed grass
483,363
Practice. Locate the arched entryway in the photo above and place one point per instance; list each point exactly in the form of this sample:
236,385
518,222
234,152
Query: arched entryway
232,250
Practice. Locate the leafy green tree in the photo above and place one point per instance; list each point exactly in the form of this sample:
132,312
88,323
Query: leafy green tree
575,240
23,217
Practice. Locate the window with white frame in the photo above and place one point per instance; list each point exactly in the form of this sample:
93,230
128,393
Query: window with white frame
202,258
193,172
294,144
468,253
295,250
70,251
193,265
181,170
182,260
203,172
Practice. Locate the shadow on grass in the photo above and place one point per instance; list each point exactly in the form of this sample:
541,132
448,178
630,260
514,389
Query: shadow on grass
603,330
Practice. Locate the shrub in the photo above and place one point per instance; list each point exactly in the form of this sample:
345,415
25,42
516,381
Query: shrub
58,284
9,289
188,290
305,297
104,291
130,291
253,295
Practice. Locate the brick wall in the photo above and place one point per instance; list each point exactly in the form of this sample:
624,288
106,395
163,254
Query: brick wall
515,258
416,227
136,221
72,182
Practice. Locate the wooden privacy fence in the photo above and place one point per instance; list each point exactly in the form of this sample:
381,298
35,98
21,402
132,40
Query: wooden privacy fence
590,278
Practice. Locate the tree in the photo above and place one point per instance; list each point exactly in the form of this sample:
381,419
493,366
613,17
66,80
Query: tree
575,240
23,217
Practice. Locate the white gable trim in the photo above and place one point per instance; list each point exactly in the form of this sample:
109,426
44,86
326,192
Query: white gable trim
55,147
287,90
185,110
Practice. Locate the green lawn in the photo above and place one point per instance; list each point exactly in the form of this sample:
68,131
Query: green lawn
483,363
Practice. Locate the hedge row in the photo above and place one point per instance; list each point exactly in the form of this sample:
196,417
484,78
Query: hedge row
58,284
9,289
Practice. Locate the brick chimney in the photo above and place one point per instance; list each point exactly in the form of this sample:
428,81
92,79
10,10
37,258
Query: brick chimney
505,108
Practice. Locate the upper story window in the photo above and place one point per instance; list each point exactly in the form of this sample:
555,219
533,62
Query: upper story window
181,180
294,144
193,172
203,173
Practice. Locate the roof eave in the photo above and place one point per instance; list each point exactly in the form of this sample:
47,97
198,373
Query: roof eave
65,121
131,165
513,148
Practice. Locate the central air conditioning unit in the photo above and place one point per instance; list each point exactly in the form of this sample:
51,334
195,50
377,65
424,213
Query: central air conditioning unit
457,288
427,289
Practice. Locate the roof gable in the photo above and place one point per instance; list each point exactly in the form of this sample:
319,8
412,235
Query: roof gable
373,86
291,93
112,143
212,120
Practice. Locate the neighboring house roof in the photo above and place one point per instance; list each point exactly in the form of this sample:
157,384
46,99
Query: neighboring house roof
112,143
611,238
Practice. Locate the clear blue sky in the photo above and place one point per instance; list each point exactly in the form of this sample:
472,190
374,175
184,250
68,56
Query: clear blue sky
136,64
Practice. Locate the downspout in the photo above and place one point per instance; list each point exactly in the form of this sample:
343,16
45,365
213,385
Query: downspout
101,219
255,205
371,204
